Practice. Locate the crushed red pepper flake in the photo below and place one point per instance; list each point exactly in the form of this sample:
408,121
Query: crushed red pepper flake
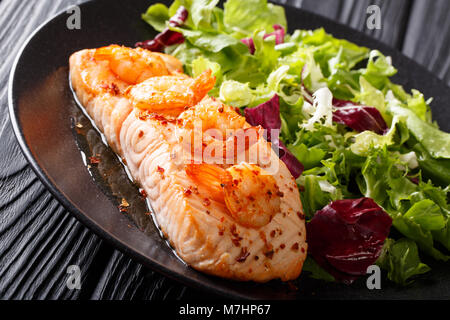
280,194
243,255
236,239
206,202
94,160
282,246
301,215
111,88
269,254
272,233
294,247
143,193
160,171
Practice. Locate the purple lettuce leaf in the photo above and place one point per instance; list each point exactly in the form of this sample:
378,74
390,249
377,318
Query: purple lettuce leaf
267,115
278,32
167,37
347,236
358,117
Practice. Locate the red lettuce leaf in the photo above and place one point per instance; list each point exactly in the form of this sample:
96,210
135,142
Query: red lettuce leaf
250,44
279,34
267,115
347,236
358,117
167,37
295,167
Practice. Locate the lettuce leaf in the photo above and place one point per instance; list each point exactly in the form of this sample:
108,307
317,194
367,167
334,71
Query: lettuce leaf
244,17
401,260
157,15
435,141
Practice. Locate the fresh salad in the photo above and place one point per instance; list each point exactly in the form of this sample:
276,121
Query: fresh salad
372,167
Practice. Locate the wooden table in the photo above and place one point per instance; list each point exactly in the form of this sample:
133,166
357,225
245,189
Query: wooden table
39,238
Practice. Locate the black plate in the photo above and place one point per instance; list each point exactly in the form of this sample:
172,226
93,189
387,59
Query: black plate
43,113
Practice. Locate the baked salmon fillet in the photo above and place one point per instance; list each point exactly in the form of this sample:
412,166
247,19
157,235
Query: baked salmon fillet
236,218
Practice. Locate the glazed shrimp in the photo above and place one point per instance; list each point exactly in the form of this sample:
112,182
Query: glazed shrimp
213,115
134,65
170,95
225,135
174,65
251,196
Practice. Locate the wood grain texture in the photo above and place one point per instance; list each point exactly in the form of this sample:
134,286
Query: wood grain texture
39,239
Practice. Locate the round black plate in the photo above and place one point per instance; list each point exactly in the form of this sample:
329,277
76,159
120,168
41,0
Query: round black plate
43,113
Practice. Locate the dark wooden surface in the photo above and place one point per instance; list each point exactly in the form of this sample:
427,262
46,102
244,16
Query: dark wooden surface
39,239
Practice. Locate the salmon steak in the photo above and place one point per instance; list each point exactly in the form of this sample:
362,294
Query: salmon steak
221,196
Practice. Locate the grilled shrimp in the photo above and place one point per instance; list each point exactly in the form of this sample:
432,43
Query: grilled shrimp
213,115
170,95
114,68
134,66
251,196
221,133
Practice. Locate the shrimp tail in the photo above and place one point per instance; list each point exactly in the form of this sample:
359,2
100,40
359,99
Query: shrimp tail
204,83
210,177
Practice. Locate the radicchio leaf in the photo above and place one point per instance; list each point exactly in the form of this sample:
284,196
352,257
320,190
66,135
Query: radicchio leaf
267,115
167,37
250,44
295,167
358,117
279,34
347,236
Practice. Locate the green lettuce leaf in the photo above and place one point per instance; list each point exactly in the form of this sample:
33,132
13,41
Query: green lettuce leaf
401,260
157,15
244,17
315,271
